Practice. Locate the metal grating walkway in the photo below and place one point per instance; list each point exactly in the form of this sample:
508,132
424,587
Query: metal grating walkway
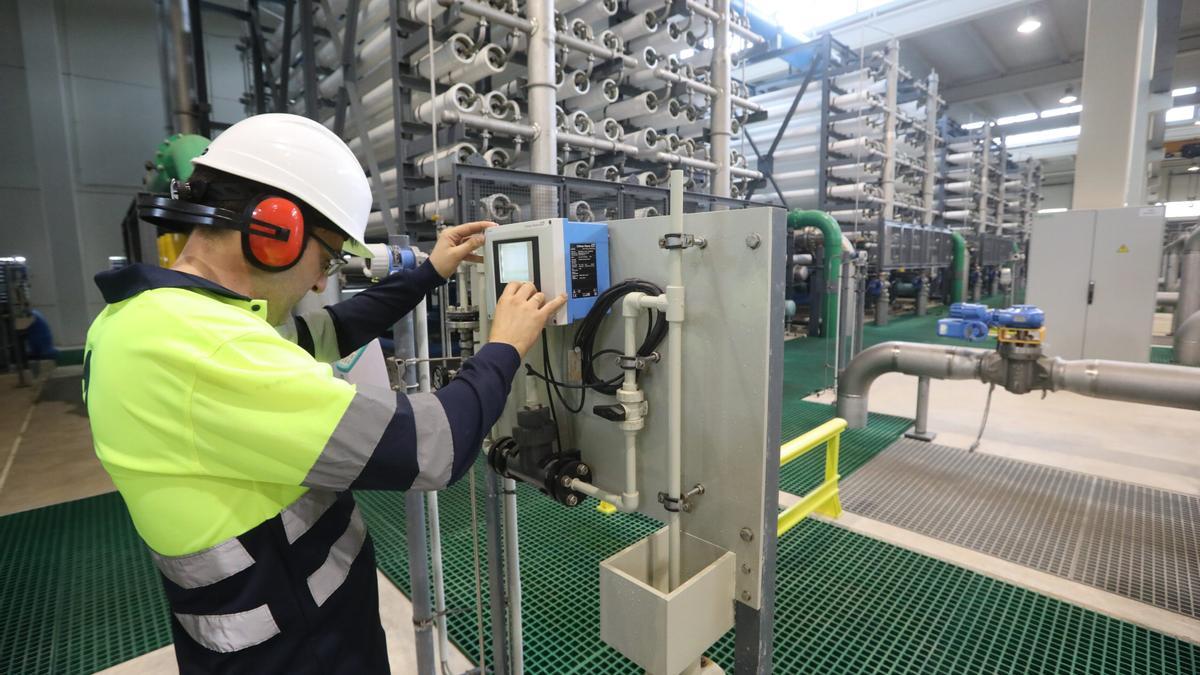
1135,541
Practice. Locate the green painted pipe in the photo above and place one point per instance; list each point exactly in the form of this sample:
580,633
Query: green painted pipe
832,235
173,159
958,285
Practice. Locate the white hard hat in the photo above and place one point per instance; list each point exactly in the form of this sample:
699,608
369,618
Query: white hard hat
302,157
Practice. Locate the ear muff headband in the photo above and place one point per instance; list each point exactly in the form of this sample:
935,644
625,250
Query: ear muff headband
272,227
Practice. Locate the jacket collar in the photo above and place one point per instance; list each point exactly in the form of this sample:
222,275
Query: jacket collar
124,283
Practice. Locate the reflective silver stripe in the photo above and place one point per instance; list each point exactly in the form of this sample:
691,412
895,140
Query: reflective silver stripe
354,439
321,328
435,444
203,568
324,335
305,512
332,573
227,633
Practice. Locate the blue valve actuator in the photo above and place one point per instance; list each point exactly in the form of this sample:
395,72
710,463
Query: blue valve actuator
971,322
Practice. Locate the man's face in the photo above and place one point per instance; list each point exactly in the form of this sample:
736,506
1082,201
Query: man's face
288,287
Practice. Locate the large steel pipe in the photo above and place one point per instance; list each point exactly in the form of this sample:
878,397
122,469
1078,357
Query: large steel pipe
1148,383
1187,341
1189,277
922,360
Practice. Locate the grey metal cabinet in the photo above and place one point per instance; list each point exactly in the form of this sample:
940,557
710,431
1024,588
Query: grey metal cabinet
1095,273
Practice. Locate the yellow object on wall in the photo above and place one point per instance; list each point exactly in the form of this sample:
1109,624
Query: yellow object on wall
169,248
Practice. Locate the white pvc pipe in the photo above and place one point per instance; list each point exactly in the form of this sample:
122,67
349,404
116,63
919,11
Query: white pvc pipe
498,157
675,297
604,93
642,23
489,61
642,104
456,52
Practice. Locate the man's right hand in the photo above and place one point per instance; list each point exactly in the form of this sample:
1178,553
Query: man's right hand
521,313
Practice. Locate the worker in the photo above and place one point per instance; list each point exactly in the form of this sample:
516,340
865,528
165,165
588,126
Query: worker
232,443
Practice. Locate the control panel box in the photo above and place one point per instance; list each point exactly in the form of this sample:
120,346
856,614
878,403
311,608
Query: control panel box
557,255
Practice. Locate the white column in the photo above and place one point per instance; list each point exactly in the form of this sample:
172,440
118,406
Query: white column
1110,165
55,167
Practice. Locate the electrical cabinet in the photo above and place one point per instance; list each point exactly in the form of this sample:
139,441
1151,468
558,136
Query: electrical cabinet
1095,273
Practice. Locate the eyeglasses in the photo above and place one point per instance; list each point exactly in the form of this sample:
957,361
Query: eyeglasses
337,259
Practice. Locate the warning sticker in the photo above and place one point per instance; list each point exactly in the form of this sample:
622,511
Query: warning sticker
1123,249
583,270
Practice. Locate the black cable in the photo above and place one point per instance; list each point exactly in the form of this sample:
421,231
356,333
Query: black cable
589,328
549,396
550,381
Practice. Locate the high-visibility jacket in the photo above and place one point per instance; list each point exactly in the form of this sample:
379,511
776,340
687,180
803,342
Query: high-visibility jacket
235,449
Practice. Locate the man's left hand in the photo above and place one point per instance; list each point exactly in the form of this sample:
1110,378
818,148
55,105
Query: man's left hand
455,244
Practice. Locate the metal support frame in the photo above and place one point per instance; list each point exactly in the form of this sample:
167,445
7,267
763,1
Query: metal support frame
766,163
285,56
256,57
309,60
202,107
349,72
400,98
625,194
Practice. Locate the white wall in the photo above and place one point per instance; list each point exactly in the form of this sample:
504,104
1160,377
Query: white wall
111,92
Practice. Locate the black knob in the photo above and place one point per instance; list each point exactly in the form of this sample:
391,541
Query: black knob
613,413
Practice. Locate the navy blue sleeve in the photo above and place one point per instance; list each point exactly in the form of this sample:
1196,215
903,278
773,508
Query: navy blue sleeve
474,399
371,312
431,440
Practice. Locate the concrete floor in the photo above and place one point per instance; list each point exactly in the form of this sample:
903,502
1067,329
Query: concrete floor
48,459
1124,441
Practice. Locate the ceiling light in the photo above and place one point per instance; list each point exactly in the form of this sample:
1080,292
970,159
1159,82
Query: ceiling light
1183,91
1068,96
1193,168
1059,112
969,126
1015,119
1029,25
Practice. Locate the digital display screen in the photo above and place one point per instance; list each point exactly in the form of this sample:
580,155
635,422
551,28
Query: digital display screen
516,260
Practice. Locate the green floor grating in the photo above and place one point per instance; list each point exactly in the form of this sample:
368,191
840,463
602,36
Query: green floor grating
78,592
1162,355
845,603
858,445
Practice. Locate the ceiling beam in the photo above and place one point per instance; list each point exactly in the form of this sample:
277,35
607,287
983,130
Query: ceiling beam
903,20
985,49
1015,82
1058,40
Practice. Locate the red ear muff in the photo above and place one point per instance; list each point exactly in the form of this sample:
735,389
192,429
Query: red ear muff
274,236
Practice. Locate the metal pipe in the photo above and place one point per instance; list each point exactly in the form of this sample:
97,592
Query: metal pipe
495,552
675,316
512,557
931,112
1189,277
934,361
722,110
920,430
421,337
1149,383
1153,384
888,180
1187,341
591,142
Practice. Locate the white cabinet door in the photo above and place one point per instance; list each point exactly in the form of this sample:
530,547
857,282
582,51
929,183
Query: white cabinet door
1059,269
1125,265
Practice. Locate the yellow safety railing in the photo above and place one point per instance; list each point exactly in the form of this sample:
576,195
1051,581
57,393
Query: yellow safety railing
824,499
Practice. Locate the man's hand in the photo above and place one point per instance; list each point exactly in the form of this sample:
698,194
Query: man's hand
521,313
455,245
